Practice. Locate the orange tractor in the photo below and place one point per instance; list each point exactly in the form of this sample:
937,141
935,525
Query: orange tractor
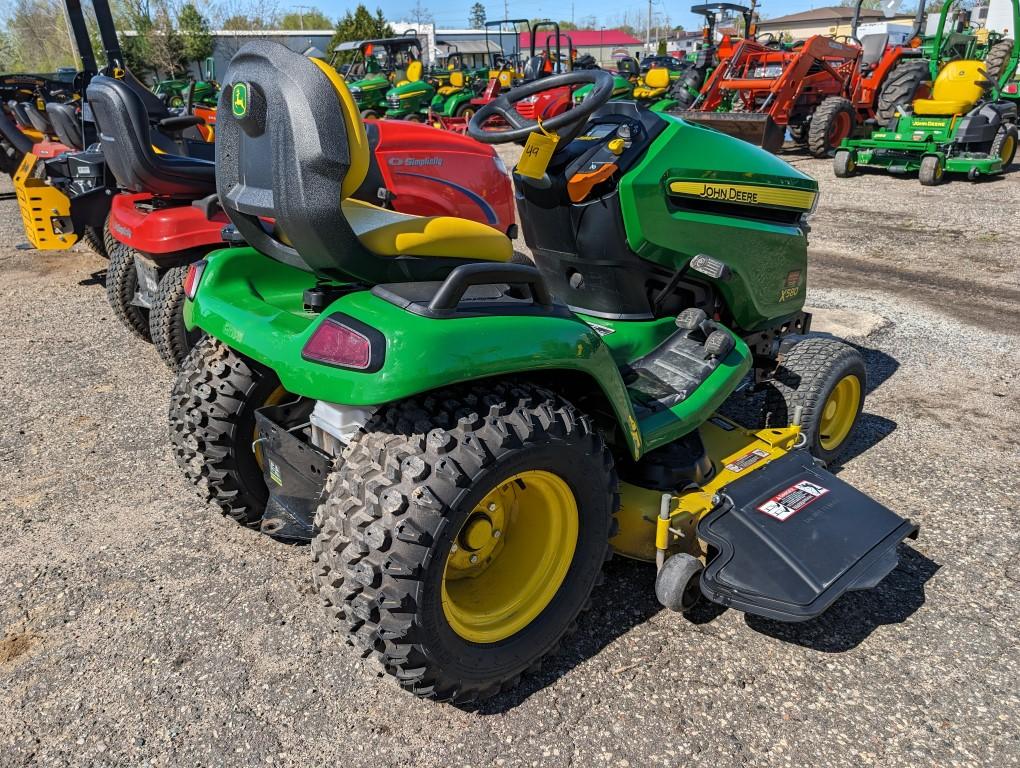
822,89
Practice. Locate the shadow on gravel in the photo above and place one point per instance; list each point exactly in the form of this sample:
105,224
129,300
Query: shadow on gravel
857,614
625,600
96,278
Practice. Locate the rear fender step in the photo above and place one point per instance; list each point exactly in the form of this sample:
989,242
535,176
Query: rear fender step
791,537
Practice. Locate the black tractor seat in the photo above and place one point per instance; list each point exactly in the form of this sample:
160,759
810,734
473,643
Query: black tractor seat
129,146
20,114
66,125
37,119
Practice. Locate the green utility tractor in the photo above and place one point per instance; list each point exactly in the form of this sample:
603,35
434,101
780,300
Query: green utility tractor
378,66
466,440
186,91
967,126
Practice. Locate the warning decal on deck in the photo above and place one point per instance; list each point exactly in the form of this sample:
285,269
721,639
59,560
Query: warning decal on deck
747,460
786,504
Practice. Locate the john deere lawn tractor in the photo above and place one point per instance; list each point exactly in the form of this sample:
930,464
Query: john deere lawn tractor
466,440
411,94
965,127
379,65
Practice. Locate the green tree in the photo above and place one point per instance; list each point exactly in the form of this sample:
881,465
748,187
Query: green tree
196,39
359,25
476,19
313,19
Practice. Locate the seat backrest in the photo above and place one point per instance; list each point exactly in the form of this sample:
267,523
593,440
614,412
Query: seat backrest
124,132
963,81
283,154
872,48
657,77
629,66
37,119
457,78
20,114
65,123
414,71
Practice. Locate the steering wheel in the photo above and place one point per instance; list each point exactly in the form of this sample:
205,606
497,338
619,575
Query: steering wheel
567,124
768,39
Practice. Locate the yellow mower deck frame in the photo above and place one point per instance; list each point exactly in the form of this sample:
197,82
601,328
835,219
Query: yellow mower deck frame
42,208
645,533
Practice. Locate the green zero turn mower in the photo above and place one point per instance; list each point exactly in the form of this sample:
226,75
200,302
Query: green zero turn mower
966,126
466,440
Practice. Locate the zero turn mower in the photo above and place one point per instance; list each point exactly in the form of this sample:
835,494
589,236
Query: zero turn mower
467,440
965,127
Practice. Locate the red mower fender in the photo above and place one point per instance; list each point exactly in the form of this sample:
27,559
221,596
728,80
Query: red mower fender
439,173
49,149
158,231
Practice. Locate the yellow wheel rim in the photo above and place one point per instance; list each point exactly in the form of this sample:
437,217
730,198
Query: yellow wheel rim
510,557
274,398
839,412
1007,148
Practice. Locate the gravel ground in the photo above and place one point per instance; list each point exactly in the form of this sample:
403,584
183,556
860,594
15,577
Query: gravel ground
138,626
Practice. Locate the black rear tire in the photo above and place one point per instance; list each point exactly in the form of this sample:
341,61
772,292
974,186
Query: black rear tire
96,241
900,88
834,120
172,338
121,287
996,58
398,503
806,377
212,427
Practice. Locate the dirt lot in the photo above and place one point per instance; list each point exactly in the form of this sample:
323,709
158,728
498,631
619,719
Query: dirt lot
137,625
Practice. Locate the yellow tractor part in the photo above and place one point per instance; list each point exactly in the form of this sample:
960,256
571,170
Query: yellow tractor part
45,211
510,557
839,412
654,524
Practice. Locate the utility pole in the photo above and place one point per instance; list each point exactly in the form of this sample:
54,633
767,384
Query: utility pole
648,29
301,15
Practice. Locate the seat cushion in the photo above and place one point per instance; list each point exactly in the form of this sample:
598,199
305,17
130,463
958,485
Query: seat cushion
942,106
389,233
449,90
648,93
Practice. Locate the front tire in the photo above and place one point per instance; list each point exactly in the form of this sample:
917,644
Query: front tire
171,336
464,534
834,120
843,164
212,427
931,172
827,379
1004,145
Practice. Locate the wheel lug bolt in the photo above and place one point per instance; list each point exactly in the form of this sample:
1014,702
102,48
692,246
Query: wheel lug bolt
497,533
492,506
474,558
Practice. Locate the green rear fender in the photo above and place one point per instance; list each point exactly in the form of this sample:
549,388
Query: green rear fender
254,305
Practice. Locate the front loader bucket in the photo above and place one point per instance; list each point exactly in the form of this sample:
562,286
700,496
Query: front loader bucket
751,127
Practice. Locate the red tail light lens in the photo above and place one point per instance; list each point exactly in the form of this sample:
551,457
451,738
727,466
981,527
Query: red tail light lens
347,343
193,278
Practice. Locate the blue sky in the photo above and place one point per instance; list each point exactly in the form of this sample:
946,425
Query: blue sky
454,13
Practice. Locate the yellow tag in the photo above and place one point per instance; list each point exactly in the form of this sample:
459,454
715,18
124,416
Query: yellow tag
537,153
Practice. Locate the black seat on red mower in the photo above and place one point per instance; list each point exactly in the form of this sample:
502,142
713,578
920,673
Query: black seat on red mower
127,139
66,125
37,119
18,109
873,46
291,147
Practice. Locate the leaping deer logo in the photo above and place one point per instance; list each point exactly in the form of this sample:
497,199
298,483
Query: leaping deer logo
240,100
